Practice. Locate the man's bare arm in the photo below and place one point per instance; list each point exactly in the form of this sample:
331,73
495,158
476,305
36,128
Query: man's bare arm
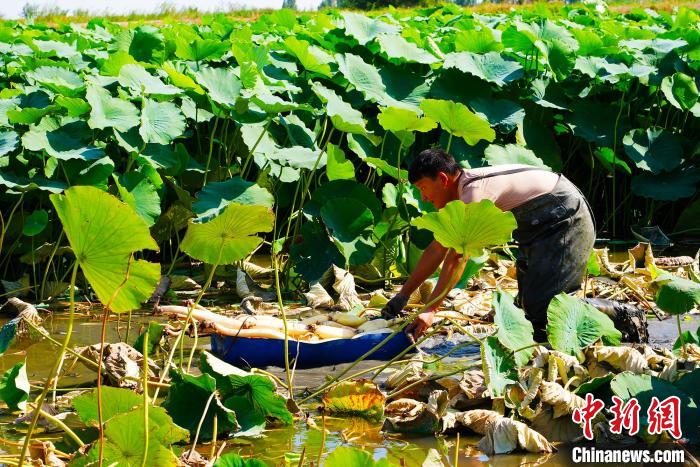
427,264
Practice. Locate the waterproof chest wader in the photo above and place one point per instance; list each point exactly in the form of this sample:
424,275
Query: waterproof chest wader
555,236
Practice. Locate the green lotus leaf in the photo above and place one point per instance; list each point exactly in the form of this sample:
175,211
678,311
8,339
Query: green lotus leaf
136,190
58,79
343,189
311,57
384,167
399,119
500,113
124,435
643,387
342,115
315,253
114,63
680,90
498,366
468,228
198,49
8,141
14,387
514,330
187,399
104,233
231,459
667,186
535,136
68,142
573,325
28,115
75,106
361,397
254,399
110,112
457,119
8,331
115,401
23,184
653,149
229,237
548,94
181,80
611,161
365,29
395,47
222,83
215,196
140,81
512,154
477,41
677,295
363,76
597,123
161,122
338,167
350,223
35,223
491,66
300,157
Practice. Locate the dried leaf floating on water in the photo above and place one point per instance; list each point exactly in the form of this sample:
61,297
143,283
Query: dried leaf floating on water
361,397
412,416
475,420
505,435
121,361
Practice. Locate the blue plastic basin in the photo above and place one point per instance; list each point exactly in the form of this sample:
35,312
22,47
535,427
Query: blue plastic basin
260,353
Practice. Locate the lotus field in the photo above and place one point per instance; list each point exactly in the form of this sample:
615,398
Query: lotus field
175,184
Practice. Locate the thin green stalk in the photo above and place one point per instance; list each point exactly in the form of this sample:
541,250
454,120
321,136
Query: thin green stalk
146,400
48,264
215,430
201,422
211,150
290,383
52,374
406,350
449,143
62,426
5,225
680,331
196,302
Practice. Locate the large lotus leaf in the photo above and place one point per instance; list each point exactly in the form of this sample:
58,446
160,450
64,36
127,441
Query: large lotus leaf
315,252
342,189
110,112
611,161
161,122
215,196
360,397
667,186
468,228
70,141
364,28
363,76
477,41
537,137
656,150
229,237
145,43
346,456
74,105
604,69
58,79
680,90
311,57
548,94
677,295
124,436
572,325
338,166
512,154
350,223
199,49
397,48
253,398
222,83
398,119
643,387
458,120
231,459
8,142
14,387
115,401
8,331
104,233
597,123
17,184
140,81
343,116
503,114
136,190
514,330
299,157
491,66
35,223
498,366
187,398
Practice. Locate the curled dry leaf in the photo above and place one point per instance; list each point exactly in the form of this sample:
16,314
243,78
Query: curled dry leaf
475,420
412,416
422,293
344,285
562,401
621,358
257,272
408,374
473,383
562,429
317,297
121,360
505,435
360,397
44,453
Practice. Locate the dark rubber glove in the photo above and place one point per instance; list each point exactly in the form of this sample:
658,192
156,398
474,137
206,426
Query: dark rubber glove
394,307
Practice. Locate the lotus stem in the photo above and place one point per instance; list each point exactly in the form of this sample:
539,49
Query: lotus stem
680,331
146,400
52,374
215,429
201,422
290,384
62,426
457,451
406,350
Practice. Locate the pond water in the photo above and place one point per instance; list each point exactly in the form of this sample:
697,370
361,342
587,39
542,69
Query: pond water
302,436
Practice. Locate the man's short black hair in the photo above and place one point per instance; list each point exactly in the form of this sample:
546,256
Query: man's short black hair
429,163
